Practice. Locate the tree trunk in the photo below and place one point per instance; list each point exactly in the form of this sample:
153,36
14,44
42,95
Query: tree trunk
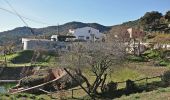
134,49
87,82
104,79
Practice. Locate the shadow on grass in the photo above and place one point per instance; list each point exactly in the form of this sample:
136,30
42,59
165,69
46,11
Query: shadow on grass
135,89
126,91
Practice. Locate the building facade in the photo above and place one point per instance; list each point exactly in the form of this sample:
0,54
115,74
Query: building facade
63,42
87,34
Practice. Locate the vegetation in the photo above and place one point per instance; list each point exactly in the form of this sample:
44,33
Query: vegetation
24,96
155,21
161,93
151,21
150,18
24,58
134,58
161,38
166,77
98,58
118,74
99,62
159,57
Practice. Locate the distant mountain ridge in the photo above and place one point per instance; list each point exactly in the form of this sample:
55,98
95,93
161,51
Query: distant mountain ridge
150,22
63,29
19,32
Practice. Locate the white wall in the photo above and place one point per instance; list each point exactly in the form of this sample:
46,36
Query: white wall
35,44
87,32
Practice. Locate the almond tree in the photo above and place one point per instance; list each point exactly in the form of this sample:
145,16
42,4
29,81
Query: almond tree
99,56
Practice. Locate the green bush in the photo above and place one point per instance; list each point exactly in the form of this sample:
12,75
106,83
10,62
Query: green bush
32,80
166,55
136,58
110,87
163,63
23,57
159,56
166,77
26,56
152,54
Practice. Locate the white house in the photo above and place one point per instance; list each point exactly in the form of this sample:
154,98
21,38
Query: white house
54,38
58,42
87,34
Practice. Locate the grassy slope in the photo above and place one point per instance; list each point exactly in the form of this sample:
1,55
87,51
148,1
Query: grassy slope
23,58
24,97
119,74
131,71
160,94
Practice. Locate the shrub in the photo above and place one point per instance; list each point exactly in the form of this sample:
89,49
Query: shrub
130,85
23,57
136,58
166,77
152,54
110,87
163,63
32,80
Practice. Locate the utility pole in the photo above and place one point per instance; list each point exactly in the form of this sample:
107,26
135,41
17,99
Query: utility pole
58,29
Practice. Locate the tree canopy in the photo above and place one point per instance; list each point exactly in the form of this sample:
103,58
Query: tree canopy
167,15
150,18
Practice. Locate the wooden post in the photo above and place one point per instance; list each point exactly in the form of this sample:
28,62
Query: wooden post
72,93
146,81
79,83
161,76
134,52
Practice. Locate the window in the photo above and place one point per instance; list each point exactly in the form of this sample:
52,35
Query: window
89,31
81,37
87,37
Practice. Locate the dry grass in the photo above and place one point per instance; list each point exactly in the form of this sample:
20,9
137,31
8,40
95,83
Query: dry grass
131,71
148,69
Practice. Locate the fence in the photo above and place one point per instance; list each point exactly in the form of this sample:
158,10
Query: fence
71,92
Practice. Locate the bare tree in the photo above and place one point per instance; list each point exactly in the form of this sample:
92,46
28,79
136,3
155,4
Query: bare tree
100,56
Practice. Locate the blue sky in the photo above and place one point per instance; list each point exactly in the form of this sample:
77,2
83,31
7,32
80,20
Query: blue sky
53,12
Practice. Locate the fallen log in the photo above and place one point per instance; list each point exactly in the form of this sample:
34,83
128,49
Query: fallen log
48,80
37,86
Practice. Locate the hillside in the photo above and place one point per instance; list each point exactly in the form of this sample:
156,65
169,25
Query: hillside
150,22
24,58
17,33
